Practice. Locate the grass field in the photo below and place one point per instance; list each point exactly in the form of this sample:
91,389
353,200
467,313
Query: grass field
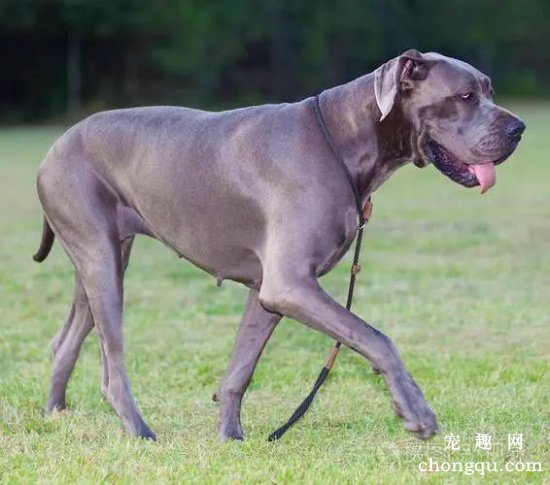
459,281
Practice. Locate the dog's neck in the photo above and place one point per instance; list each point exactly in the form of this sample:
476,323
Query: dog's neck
372,150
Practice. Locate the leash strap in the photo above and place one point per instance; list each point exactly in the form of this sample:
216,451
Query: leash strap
363,217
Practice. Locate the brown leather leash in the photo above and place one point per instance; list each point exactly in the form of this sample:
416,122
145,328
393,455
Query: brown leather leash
364,214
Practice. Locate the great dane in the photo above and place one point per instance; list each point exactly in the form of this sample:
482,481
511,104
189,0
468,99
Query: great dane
255,195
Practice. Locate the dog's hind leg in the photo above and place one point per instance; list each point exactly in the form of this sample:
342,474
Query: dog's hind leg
101,278
102,281
68,342
67,347
83,214
57,341
255,329
125,249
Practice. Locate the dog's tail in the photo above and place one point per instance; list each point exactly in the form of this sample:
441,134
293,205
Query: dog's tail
45,244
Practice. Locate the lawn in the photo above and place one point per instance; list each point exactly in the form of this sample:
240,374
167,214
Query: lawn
459,281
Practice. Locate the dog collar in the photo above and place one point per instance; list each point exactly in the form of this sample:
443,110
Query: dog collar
365,211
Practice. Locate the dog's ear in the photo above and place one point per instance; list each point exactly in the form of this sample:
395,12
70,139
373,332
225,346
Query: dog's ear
397,76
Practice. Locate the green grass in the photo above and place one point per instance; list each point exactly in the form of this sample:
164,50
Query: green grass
460,282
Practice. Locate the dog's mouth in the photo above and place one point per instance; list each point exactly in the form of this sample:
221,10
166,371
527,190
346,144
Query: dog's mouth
468,175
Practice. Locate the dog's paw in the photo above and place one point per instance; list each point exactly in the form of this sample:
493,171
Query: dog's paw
410,405
421,421
137,428
231,433
54,407
424,429
145,433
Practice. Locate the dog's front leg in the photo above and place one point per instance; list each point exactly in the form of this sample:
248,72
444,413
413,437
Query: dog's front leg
304,300
256,327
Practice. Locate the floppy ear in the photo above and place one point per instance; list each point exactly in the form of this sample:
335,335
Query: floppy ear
396,76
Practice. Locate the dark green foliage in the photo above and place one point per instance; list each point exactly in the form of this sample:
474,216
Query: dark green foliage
62,55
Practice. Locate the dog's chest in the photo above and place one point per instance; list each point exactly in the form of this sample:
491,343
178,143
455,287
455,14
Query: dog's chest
341,239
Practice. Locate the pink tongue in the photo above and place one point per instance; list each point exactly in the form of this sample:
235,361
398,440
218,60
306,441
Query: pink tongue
486,175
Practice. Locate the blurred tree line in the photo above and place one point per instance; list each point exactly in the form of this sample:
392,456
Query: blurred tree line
76,56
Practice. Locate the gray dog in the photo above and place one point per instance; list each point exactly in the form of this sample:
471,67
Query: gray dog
256,195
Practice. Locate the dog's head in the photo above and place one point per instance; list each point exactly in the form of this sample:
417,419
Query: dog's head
449,105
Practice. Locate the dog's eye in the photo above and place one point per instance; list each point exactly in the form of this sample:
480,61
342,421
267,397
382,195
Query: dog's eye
467,97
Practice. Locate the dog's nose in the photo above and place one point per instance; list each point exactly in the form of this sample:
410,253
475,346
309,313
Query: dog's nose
515,128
